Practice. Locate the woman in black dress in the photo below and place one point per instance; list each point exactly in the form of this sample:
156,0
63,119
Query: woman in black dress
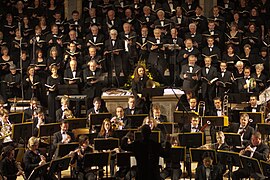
32,157
31,83
138,84
230,57
52,90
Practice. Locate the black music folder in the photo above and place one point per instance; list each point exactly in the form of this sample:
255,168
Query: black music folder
197,154
39,172
251,164
136,120
155,136
16,118
233,139
96,159
22,131
167,127
76,123
97,119
59,165
121,133
263,128
191,140
49,129
106,143
177,154
216,120
257,117
265,168
229,158
64,149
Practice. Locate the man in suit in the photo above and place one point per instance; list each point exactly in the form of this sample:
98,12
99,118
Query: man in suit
243,129
129,54
120,120
194,35
131,109
199,19
188,51
142,51
113,52
64,106
95,37
208,73
162,23
156,59
72,74
224,76
31,112
212,51
64,136
180,21
256,149
217,110
147,153
92,55
41,119
157,114
245,85
253,106
147,18
193,126
111,22
208,170
97,107
190,74
176,45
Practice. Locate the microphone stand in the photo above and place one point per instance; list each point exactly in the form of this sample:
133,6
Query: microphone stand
21,63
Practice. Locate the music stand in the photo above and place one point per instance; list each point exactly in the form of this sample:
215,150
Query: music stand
123,159
106,143
22,131
76,123
39,172
263,128
64,149
251,164
92,136
68,89
16,118
121,133
233,139
191,140
97,119
216,120
196,155
136,120
265,168
150,92
154,136
167,127
177,154
229,158
97,159
59,165
48,129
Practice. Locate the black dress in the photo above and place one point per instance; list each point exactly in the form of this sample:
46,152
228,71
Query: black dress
31,89
52,104
137,88
31,160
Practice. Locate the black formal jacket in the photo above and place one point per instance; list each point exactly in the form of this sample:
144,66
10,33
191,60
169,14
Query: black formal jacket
101,110
147,153
136,111
162,118
68,74
249,108
187,128
212,73
57,137
214,173
261,152
189,83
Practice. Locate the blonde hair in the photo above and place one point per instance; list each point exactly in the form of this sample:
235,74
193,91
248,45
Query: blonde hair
32,141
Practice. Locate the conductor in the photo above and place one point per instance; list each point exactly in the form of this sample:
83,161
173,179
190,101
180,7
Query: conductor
147,153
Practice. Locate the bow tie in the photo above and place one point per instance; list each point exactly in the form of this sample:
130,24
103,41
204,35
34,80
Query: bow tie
64,132
94,35
207,67
194,127
219,110
74,71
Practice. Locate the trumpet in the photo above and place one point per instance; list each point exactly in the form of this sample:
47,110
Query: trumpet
117,123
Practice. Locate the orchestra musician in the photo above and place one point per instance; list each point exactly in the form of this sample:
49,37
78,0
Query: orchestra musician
119,121
256,149
253,105
106,130
9,167
41,119
31,112
131,109
208,170
98,108
242,128
32,157
6,129
78,157
64,106
156,113
193,126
